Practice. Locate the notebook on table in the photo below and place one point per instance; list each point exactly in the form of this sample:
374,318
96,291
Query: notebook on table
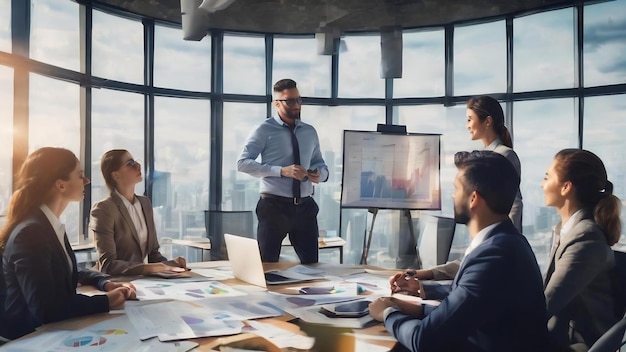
246,264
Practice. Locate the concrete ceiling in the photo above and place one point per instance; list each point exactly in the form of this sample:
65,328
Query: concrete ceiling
306,16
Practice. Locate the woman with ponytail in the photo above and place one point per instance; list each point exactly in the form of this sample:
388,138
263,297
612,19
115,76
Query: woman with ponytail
485,122
578,285
38,264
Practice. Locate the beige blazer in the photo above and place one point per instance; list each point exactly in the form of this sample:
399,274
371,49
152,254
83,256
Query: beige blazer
116,238
518,207
578,284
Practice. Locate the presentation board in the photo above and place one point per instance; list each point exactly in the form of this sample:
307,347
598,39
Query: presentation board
391,171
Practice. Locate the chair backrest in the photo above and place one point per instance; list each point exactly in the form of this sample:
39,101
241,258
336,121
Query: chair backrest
619,283
219,222
4,324
435,240
611,340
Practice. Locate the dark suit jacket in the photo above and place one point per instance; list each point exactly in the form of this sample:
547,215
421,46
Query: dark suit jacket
40,287
496,303
578,284
116,238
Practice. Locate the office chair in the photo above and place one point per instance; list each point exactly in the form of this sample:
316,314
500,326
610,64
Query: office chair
619,283
435,240
3,296
219,222
613,339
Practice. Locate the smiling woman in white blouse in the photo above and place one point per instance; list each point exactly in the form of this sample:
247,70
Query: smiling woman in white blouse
123,223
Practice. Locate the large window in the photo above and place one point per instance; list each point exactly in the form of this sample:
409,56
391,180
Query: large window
5,25
180,63
537,140
54,121
297,58
480,58
604,131
117,48
115,126
359,67
545,119
423,65
54,33
6,137
244,64
531,47
450,123
180,188
604,44
353,223
240,191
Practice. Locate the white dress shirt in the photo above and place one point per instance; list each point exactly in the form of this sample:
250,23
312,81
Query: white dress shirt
136,215
479,238
59,229
565,228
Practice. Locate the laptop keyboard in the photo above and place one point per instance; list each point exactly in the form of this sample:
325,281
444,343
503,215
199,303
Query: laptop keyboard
272,277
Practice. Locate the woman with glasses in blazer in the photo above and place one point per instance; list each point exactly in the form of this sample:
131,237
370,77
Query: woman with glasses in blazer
123,223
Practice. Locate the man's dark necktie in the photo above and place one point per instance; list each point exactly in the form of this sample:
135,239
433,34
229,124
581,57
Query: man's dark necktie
295,186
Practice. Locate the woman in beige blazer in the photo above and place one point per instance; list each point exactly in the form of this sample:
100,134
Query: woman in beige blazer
578,284
123,224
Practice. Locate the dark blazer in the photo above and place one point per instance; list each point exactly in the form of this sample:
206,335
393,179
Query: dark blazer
116,238
496,303
40,287
578,284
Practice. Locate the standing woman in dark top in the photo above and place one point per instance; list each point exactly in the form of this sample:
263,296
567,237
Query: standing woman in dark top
38,264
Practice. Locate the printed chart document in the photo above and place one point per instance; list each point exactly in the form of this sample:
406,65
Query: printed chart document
116,334
182,320
188,291
255,306
292,303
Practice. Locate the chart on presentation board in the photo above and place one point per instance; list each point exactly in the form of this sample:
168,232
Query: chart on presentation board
391,171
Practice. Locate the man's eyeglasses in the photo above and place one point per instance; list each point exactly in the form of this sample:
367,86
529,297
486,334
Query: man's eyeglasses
132,163
291,102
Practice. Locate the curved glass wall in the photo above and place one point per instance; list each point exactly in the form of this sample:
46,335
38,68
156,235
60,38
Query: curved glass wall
542,61
480,58
6,137
189,137
5,25
54,32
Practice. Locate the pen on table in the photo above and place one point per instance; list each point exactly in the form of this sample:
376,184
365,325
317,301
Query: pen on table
410,274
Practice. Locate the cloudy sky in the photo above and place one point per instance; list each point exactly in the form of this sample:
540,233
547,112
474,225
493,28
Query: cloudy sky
543,59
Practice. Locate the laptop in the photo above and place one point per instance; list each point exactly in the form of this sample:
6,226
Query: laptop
246,264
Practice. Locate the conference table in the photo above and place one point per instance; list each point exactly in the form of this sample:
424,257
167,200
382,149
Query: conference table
327,338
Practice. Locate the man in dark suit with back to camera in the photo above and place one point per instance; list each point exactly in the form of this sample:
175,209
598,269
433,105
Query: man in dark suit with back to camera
291,162
496,301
